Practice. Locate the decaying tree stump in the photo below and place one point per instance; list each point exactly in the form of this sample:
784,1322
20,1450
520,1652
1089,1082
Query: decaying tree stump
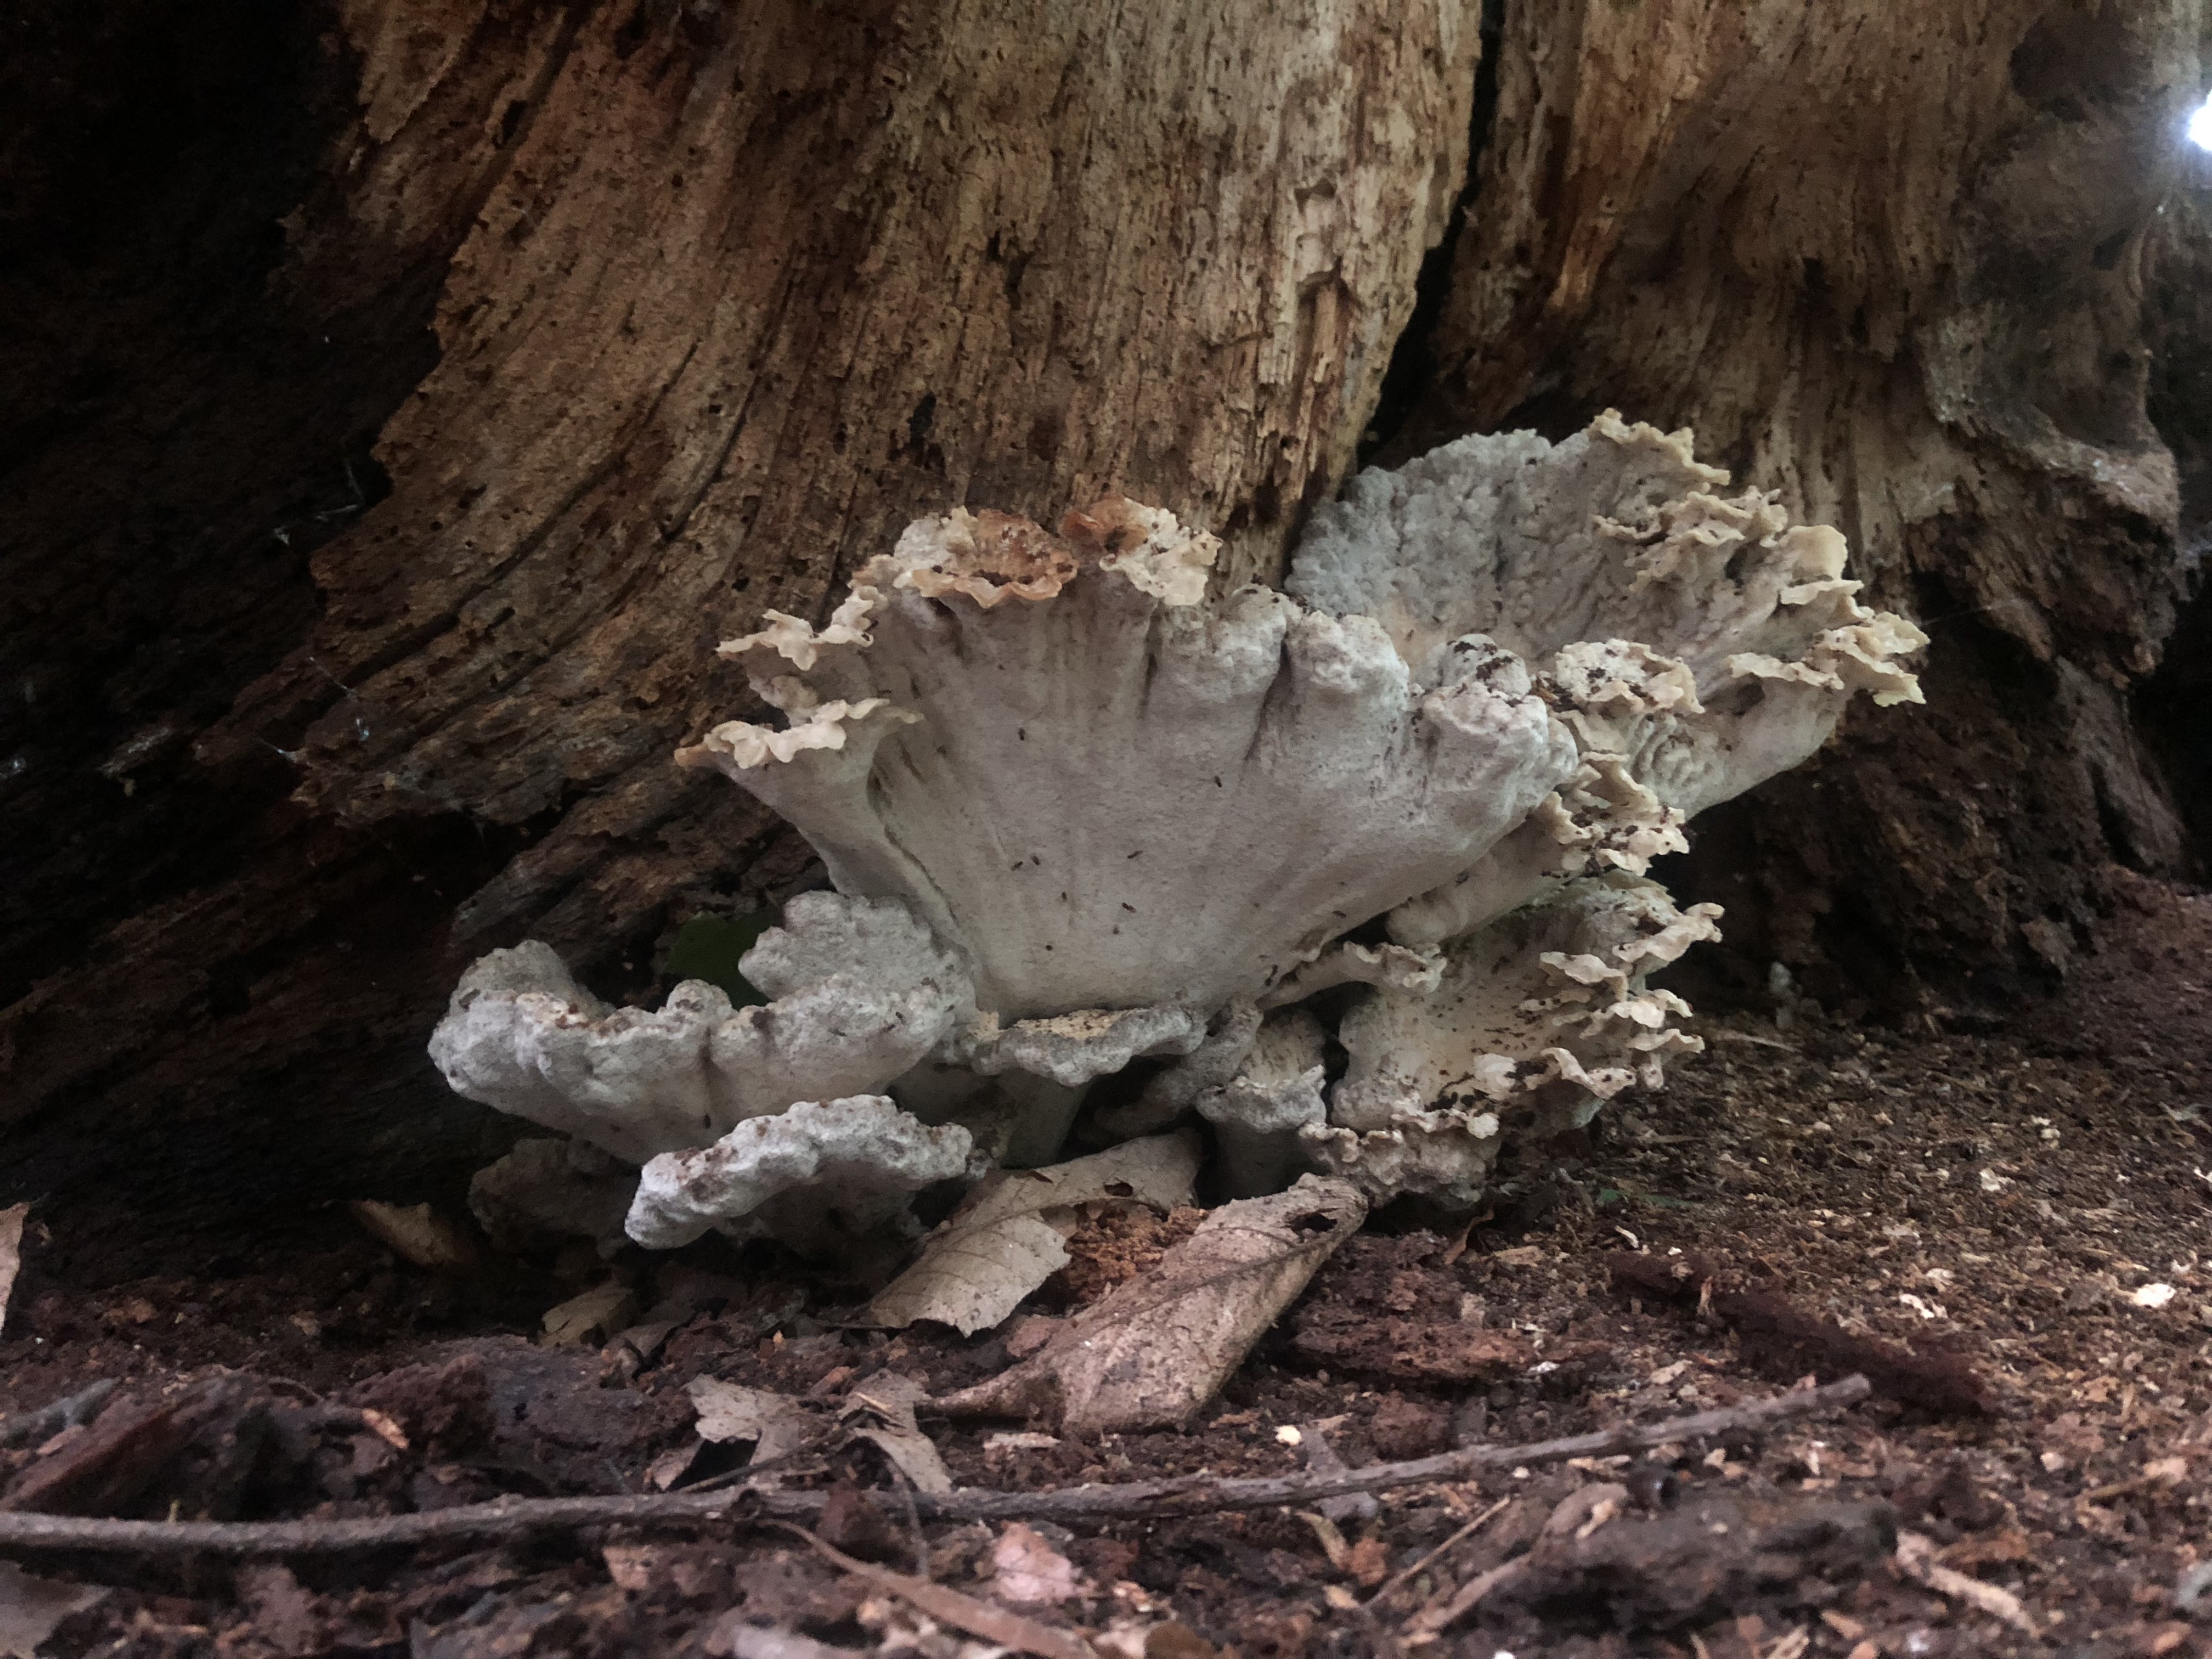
730,296
359,584
1892,264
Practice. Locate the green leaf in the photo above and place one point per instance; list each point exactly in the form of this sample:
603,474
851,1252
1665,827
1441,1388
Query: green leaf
710,947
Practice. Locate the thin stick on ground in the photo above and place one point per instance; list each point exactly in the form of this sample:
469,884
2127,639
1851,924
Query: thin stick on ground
1407,1575
1130,1500
986,1620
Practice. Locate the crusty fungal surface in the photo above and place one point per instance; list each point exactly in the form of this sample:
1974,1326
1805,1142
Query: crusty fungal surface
818,1175
1258,1115
1694,642
1540,1016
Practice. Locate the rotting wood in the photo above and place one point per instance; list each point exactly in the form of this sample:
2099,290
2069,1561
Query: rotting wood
1127,1500
729,296
1807,233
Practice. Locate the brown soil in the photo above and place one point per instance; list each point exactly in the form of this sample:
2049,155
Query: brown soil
1972,1215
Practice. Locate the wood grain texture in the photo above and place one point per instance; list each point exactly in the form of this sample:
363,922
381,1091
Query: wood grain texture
1889,262
753,292
727,294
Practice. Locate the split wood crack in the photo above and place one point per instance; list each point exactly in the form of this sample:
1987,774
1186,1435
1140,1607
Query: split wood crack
1125,1500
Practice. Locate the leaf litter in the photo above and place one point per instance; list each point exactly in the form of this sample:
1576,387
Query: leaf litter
1153,1352
1814,1173
1009,1234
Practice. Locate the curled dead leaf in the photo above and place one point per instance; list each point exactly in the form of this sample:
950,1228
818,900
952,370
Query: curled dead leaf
776,1424
1156,1349
31,1608
880,1411
1005,1239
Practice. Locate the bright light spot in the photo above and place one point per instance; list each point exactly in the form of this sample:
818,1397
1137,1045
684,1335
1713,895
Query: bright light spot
2200,126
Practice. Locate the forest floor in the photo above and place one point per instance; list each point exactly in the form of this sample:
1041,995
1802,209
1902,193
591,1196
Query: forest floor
2021,1203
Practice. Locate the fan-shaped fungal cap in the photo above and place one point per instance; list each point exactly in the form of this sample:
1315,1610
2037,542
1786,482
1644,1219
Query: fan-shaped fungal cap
861,994
818,1175
1696,643
1539,1016
1104,792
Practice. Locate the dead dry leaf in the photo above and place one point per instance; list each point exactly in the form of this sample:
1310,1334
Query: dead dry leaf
1330,1537
963,1612
1027,1571
31,1608
599,1312
11,1252
282,1610
1369,1563
1152,1351
673,1465
776,1423
1003,1242
880,1411
417,1233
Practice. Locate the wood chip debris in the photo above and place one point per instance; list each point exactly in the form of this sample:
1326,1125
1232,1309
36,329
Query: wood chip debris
1027,1571
982,1619
591,1317
417,1233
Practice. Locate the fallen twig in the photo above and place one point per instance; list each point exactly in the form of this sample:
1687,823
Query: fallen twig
986,1620
1916,1559
1442,1615
1322,1456
1185,1495
1802,1341
26,1428
1406,1576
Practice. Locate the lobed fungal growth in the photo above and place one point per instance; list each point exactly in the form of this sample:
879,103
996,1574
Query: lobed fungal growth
1081,814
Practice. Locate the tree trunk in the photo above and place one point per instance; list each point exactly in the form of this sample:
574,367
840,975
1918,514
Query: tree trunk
729,294
658,315
1890,262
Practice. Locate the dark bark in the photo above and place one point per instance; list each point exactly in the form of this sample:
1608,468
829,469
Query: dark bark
724,297
1893,263
2173,704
